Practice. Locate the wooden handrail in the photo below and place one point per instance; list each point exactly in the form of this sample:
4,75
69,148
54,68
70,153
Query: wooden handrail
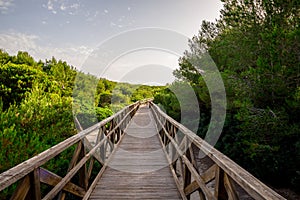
225,170
33,166
179,149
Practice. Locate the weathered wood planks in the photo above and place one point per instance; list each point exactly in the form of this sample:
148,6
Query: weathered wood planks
225,173
153,159
138,168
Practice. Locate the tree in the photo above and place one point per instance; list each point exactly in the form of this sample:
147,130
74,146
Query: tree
255,45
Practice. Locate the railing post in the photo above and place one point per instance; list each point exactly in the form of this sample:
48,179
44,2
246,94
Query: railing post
187,174
29,187
230,188
35,187
100,137
220,191
83,171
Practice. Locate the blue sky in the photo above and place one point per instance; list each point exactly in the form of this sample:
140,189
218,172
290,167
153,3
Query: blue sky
72,29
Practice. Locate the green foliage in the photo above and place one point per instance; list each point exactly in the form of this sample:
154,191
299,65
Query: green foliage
103,113
167,100
142,92
39,122
105,99
4,57
24,58
16,80
37,103
255,45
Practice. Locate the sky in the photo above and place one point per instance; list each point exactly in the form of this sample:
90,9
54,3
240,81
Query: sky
136,41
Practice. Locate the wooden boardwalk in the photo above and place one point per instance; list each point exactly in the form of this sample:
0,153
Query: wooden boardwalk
138,168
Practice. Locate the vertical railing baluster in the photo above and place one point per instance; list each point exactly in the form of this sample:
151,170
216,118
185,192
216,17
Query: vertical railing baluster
187,174
220,192
83,171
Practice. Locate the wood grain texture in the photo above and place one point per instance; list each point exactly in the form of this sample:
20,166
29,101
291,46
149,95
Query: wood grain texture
23,169
247,181
139,168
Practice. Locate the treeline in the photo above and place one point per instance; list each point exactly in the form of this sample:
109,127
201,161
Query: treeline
38,100
255,45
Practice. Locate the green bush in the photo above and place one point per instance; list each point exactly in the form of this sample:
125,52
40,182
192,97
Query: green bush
16,80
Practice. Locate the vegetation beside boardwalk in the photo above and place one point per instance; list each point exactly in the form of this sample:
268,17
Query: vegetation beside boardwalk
255,45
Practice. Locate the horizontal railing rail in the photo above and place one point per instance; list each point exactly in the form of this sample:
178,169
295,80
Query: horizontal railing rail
196,165
29,175
221,178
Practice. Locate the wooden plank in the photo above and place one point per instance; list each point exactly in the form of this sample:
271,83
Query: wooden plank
35,188
52,179
209,174
231,191
99,175
173,170
191,188
187,176
16,173
192,170
74,159
198,179
22,189
248,182
83,181
217,180
134,171
74,170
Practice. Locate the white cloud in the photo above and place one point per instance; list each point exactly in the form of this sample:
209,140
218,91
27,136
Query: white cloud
142,66
60,5
121,18
14,42
50,5
96,13
5,5
63,7
75,6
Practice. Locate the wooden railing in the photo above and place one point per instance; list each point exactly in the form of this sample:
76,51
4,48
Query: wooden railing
218,177
221,178
30,176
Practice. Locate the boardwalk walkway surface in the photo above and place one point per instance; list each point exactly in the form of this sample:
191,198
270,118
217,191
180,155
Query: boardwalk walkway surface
138,165
138,169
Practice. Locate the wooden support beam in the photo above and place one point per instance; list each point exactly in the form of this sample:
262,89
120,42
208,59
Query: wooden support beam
191,152
209,174
52,179
94,183
190,166
248,182
173,170
187,175
101,136
220,192
22,189
90,169
191,188
35,188
230,189
83,182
